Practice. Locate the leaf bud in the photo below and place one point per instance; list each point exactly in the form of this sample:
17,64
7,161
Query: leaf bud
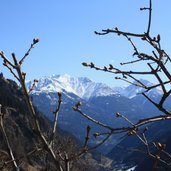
84,64
118,114
35,40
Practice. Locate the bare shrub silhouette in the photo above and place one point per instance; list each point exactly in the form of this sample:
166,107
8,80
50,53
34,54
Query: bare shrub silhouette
158,64
62,152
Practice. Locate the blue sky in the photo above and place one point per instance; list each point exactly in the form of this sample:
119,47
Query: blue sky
66,33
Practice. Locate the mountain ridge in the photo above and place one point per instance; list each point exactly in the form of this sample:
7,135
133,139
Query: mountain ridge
23,138
98,100
85,88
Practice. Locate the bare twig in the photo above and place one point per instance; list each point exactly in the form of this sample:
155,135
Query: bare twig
21,77
87,136
7,141
55,118
35,40
149,20
75,108
33,86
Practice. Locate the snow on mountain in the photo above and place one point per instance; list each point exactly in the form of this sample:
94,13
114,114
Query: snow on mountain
100,101
84,88
131,91
81,86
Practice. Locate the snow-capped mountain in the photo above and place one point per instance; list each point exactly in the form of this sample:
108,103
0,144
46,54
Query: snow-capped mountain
84,88
81,86
98,101
132,91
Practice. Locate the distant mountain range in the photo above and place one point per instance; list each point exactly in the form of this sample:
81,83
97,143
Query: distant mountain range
98,100
81,87
23,139
85,88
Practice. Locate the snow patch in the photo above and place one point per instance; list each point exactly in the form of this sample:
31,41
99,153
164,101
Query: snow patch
81,86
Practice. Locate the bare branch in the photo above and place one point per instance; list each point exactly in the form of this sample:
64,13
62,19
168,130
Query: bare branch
33,86
117,71
107,31
35,40
87,136
157,105
75,108
7,141
36,122
66,161
149,20
6,60
158,78
56,118
21,77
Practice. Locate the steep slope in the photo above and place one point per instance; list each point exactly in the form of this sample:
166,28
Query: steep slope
110,105
135,151
132,91
17,126
22,138
98,101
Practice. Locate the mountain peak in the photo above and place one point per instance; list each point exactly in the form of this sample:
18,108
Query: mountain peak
81,86
64,78
85,88
133,90
145,82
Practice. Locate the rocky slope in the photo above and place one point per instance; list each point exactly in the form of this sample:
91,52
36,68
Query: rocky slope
18,126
